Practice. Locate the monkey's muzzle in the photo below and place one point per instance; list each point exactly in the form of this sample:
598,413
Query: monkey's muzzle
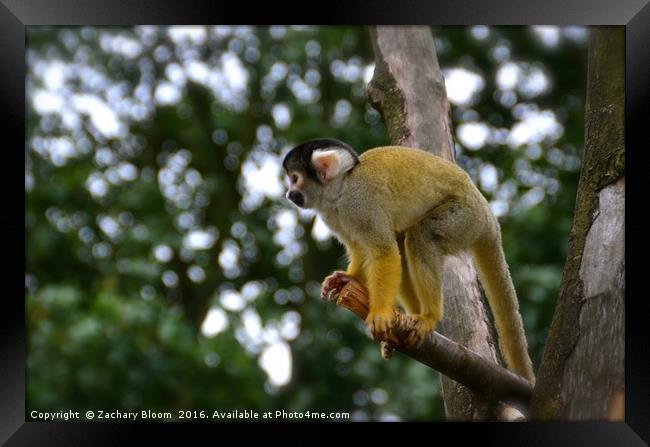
297,198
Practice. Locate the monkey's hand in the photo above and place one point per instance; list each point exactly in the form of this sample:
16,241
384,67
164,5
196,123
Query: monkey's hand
333,284
380,324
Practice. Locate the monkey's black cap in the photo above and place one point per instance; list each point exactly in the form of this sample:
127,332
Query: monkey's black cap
299,158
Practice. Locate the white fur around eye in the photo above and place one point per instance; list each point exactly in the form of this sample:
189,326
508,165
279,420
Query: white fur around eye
295,178
332,162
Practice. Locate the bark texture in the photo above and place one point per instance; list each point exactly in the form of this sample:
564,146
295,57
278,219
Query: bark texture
408,89
582,371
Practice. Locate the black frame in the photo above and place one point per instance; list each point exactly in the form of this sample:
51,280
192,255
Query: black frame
16,14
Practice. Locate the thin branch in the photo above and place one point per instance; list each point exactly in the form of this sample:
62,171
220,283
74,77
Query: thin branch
446,356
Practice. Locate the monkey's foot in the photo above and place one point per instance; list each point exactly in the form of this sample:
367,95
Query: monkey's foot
380,324
418,327
333,284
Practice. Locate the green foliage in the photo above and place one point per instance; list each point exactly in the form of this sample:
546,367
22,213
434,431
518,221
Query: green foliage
164,267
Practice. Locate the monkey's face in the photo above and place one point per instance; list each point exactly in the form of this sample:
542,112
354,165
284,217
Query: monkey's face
298,189
304,189
313,166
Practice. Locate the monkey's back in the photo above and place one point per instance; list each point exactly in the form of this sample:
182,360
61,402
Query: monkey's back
408,182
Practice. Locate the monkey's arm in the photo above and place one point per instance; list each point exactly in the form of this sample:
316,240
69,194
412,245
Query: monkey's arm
383,274
355,267
379,269
333,284
373,230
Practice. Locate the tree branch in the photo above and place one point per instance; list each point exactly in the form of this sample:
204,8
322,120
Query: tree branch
446,356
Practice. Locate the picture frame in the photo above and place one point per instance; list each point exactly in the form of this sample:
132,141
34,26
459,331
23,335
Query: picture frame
16,15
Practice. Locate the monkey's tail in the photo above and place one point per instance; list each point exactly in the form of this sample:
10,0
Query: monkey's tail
497,283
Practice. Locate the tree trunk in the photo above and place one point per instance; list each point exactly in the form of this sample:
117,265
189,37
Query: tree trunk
408,89
582,371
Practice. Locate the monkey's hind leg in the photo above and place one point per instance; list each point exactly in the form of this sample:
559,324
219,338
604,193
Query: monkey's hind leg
445,230
424,260
407,297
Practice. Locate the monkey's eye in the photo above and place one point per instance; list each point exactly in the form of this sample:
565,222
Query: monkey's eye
294,178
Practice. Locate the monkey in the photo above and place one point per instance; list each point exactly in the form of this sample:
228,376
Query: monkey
399,211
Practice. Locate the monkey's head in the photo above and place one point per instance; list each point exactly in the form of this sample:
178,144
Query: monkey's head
313,166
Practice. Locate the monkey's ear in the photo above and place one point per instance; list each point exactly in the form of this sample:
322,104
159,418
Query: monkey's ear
330,163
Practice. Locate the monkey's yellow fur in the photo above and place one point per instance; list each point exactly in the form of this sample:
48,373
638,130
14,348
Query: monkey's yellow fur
399,211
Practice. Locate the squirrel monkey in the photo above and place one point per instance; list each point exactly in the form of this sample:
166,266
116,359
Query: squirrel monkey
399,211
